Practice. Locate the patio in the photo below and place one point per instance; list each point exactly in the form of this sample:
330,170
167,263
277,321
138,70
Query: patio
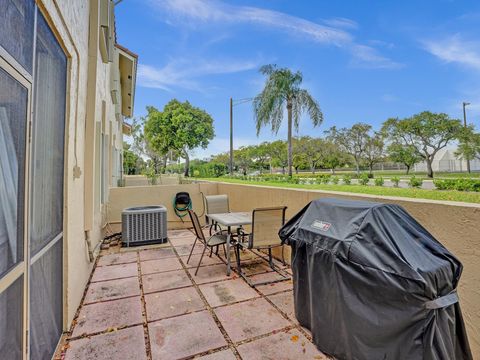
147,304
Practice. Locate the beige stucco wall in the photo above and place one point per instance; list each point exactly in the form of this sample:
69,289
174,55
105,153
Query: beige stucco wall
124,197
455,225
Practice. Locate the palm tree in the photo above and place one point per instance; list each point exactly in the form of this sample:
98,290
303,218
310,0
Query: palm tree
282,87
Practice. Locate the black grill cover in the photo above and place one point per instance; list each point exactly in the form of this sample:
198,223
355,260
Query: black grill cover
371,283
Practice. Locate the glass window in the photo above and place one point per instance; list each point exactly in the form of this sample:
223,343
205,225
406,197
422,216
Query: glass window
48,138
13,120
16,30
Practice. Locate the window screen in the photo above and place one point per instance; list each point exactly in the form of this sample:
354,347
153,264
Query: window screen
13,118
16,30
48,138
11,321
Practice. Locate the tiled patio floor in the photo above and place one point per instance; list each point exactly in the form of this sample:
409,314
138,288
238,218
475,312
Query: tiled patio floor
148,304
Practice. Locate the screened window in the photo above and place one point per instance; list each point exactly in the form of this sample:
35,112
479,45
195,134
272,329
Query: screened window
48,138
11,321
13,119
16,30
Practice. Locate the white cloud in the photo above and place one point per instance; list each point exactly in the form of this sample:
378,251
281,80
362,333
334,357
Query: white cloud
183,73
332,33
454,49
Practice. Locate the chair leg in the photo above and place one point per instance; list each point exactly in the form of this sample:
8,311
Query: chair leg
211,252
283,256
191,251
270,258
237,250
224,250
200,261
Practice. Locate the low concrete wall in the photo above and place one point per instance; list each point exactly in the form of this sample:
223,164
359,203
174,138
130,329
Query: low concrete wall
124,197
142,180
455,225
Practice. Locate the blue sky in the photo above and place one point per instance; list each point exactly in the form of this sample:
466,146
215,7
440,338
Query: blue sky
362,60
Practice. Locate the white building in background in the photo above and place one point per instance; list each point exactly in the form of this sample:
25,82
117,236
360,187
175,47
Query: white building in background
447,161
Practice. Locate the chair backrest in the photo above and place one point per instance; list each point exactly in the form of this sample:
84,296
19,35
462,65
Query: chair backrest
216,204
265,225
196,225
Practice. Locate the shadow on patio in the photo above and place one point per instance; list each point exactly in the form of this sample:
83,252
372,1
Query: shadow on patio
147,304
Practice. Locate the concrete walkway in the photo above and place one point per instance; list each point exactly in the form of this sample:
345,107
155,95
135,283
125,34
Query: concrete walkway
147,304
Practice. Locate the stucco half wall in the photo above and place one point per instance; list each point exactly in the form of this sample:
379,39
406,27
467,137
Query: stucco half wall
124,197
455,225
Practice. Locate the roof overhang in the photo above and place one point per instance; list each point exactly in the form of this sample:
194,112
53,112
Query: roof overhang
127,64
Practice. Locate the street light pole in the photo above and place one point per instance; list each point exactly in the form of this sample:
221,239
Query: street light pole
231,136
465,125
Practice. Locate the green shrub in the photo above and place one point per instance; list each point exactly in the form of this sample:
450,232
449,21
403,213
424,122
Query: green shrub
335,180
347,179
415,182
379,181
395,180
363,179
464,184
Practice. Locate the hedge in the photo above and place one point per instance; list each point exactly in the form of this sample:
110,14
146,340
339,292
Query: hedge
458,184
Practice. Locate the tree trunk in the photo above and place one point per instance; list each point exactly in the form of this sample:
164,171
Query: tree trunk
289,140
333,170
187,164
312,169
358,167
429,167
408,169
296,170
371,169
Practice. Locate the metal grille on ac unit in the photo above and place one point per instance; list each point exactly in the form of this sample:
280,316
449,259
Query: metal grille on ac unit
144,225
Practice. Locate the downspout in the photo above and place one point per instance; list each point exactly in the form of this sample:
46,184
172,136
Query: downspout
89,246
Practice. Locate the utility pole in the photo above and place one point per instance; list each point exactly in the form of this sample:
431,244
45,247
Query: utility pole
231,136
465,125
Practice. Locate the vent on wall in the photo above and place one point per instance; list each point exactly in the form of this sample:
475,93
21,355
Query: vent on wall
144,225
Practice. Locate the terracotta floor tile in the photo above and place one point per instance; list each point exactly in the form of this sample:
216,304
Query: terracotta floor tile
184,336
111,272
227,292
205,261
249,319
160,265
99,317
284,301
172,303
185,249
220,355
281,346
125,344
112,289
273,287
154,254
119,258
210,273
165,281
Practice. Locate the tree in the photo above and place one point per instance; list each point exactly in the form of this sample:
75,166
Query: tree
141,147
131,161
180,127
243,158
278,154
300,159
282,88
406,155
426,132
352,141
331,156
260,155
374,151
313,152
469,145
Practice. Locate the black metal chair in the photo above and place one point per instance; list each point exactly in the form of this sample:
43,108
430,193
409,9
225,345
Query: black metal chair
217,239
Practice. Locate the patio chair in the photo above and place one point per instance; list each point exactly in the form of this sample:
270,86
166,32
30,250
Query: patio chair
215,204
219,238
264,236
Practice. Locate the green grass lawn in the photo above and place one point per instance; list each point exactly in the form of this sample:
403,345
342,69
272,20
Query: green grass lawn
450,195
